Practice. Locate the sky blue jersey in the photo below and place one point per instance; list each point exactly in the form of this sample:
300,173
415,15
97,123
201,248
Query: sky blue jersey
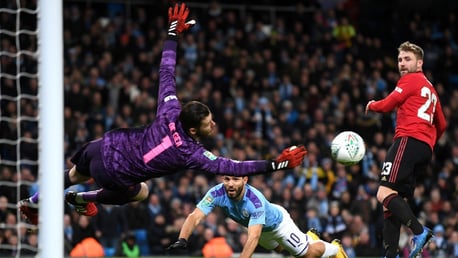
252,209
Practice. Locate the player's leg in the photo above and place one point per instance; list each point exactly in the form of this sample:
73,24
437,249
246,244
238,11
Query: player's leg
319,248
341,253
391,229
298,243
400,208
84,202
136,192
117,196
86,160
322,249
88,155
404,158
29,206
396,175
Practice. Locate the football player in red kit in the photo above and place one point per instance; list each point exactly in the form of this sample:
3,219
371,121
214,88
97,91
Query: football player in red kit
420,122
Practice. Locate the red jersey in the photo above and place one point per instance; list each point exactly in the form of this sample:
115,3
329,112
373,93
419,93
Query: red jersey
419,112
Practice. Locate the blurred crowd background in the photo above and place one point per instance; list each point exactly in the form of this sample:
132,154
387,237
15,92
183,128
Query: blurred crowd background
274,74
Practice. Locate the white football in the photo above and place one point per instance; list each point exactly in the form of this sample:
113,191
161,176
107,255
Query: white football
348,148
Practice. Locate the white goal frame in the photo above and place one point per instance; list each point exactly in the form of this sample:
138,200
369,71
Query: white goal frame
51,128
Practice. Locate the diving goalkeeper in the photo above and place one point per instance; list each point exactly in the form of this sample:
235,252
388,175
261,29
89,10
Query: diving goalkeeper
123,159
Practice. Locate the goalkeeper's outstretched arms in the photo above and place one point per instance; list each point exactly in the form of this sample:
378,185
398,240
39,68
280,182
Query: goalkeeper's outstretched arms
204,160
178,23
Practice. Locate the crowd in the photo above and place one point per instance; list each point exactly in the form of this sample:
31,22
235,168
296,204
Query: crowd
299,77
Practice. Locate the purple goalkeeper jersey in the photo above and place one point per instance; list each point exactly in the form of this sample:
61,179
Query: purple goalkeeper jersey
137,154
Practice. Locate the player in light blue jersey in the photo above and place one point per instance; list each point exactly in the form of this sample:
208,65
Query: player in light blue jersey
268,224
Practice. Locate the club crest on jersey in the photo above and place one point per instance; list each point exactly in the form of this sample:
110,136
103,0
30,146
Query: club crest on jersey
209,155
398,89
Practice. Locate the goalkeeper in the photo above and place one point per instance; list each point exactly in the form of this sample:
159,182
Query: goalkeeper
123,159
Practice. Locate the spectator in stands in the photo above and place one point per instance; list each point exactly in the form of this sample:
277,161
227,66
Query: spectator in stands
68,233
452,244
128,247
32,245
157,235
88,247
335,224
363,247
438,246
347,243
3,208
110,223
217,246
82,229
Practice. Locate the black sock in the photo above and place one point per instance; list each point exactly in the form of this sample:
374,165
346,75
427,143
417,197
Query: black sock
402,211
67,182
391,232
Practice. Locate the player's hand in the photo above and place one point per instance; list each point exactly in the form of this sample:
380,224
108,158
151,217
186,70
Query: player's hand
367,106
290,157
179,244
178,14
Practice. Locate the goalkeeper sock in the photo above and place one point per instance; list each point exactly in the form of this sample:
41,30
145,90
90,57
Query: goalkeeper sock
34,198
84,197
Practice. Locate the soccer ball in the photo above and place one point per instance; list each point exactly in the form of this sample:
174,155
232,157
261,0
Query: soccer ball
348,148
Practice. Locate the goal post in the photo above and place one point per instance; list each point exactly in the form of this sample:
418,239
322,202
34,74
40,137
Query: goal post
51,135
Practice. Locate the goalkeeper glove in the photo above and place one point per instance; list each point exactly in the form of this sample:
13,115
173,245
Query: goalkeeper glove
181,243
290,157
177,20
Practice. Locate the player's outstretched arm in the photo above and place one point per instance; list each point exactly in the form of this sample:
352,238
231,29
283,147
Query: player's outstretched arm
189,224
204,160
178,15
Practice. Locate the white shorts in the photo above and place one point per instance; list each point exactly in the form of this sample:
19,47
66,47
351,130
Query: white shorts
287,235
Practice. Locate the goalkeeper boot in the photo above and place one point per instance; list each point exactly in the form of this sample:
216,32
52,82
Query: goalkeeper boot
313,234
82,208
420,241
341,253
28,210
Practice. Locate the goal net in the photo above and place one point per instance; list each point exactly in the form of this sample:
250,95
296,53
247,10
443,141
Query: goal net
24,109
18,122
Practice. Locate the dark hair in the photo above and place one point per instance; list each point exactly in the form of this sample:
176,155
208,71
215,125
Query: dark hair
192,114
